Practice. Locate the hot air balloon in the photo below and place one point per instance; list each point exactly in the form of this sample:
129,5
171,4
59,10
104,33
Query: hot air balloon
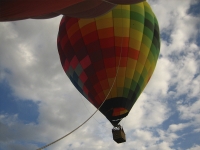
110,59
11,10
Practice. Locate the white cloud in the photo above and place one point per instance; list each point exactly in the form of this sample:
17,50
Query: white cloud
177,127
195,147
30,64
190,112
159,83
147,112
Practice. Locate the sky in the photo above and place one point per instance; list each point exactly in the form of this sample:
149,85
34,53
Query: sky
39,104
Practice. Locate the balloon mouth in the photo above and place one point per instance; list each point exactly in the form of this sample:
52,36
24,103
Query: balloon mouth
115,122
117,118
115,109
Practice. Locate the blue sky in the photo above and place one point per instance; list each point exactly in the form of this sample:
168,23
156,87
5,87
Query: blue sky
38,104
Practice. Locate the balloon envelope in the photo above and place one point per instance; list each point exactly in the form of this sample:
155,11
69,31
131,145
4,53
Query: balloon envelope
11,10
122,44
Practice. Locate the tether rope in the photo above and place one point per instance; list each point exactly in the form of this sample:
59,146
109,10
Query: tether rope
97,108
90,111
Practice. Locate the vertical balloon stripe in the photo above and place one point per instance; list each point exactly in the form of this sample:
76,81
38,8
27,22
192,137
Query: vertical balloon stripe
144,52
121,30
106,42
154,50
89,34
137,15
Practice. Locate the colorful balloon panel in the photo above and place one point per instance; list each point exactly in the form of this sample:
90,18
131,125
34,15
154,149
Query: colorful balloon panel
11,10
122,44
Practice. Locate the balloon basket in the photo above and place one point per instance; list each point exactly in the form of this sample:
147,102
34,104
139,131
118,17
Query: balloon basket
118,134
